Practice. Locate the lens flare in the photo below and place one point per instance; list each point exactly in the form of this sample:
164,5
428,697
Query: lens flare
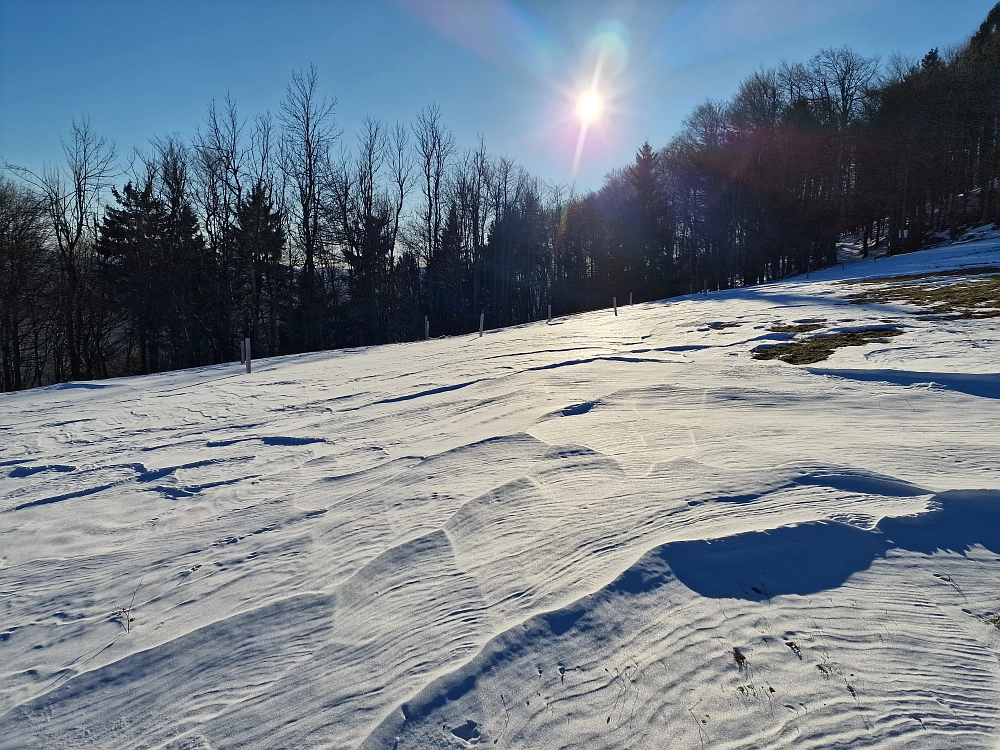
605,60
589,106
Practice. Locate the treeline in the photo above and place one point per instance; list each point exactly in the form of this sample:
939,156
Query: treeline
284,230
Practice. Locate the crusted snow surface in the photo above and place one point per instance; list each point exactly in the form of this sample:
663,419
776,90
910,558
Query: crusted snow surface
607,532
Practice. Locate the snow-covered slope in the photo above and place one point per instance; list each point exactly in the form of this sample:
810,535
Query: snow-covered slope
608,532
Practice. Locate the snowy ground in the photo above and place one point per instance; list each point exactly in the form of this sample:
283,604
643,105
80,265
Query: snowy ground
608,532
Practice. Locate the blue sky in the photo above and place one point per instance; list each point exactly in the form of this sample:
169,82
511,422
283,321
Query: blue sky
506,70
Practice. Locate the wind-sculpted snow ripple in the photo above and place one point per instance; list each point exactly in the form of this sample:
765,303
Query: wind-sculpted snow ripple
607,532
767,617
166,691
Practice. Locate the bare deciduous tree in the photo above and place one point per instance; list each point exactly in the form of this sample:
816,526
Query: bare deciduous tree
24,285
435,146
73,194
842,80
308,134
369,192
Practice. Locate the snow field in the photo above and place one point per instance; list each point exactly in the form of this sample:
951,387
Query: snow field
603,532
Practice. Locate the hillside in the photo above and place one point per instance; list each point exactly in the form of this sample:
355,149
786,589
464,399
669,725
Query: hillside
607,532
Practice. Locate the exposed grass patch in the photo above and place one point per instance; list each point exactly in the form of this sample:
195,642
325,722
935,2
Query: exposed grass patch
795,327
720,326
971,299
977,271
818,348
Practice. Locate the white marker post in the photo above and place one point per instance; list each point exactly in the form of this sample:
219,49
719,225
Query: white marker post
427,328
550,313
614,303
246,349
482,316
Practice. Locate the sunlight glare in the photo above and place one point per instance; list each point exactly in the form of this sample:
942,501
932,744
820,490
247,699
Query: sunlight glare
589,106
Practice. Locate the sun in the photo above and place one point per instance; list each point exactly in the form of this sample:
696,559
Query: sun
589,106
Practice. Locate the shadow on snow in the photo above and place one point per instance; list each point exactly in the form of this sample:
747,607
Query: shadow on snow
984,386
792,560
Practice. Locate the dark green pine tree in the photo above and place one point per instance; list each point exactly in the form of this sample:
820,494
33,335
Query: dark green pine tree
444,271
931,61
262,285
989,29
131,239
196,328
654,262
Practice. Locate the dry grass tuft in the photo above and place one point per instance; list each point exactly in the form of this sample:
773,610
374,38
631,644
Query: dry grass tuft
795,327
818,348
970,299
740,658
977,271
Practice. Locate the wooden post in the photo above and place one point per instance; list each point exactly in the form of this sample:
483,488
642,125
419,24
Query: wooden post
482,315
246,349
614,303
630,299
550,313
427,328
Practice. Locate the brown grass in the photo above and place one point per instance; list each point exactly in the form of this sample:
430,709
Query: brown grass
962,300
977,271
818,348
794,327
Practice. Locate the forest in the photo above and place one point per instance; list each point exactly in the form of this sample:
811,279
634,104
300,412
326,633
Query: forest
282,229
